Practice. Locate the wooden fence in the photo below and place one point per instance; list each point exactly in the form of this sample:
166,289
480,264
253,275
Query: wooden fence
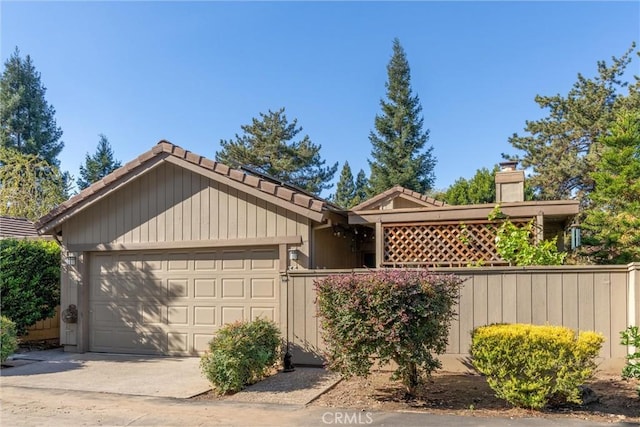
47,329
601,298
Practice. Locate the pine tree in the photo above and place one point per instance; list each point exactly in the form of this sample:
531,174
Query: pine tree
96,167
27,121
267,145
399,154
612,222
361,188
345,189
562,149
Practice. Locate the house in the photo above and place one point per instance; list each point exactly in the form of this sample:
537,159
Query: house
161,252
166,249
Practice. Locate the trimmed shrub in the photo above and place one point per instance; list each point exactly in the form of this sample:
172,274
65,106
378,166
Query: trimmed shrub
530,365
241,354
29,281
631,337
387,315
8,341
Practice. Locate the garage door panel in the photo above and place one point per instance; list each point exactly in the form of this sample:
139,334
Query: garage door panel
178,288
201,342
205,316
178,315
232,314
263,288
172,302
204,288
205,261
232,288
267,313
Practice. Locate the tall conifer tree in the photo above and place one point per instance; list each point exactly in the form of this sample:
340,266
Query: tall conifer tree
27,121
400,155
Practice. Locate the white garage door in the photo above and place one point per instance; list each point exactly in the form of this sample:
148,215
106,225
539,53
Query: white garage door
172,302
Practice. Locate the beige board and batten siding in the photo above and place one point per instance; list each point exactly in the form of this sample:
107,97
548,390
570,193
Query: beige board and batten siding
170,207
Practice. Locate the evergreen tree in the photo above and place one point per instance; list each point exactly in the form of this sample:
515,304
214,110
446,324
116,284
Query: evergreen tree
361,188
27,121
29,186
481,188
612,222
399,154
345,189
267,145
562,148
96,167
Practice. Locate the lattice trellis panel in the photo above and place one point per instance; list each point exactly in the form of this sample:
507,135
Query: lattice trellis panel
441,244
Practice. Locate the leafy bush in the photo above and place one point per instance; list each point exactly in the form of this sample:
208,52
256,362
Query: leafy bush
631,337
392,315
241,354
29,281
8,341
514,245
528,365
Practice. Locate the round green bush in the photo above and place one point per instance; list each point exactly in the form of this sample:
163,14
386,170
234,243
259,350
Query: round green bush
8,340
240,354
529,365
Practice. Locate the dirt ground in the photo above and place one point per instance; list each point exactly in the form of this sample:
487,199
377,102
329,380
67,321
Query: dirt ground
468,394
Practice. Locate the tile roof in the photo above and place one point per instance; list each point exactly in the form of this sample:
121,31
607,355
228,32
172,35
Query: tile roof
165,149
17,227
396,191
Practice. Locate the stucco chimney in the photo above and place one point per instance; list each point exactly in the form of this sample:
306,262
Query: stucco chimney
509,183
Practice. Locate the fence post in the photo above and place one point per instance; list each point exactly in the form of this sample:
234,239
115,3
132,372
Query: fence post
633,294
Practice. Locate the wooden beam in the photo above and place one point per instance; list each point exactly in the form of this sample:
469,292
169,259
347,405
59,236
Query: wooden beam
187,244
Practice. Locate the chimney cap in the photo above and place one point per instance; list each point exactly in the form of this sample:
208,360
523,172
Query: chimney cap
508,165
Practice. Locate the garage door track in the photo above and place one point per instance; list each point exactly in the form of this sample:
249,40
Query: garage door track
155,376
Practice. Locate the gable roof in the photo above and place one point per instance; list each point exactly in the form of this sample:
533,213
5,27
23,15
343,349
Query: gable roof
16,227
376,202
274,192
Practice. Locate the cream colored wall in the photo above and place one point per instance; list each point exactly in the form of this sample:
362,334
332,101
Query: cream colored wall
331,251
171,204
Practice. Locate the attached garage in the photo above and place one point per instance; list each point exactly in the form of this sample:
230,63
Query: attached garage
170,302
163,251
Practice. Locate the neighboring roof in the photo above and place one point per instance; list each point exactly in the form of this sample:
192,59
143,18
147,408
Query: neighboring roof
287,196
16,227
398,191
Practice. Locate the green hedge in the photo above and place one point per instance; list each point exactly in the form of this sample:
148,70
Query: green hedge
29,281
528,365
8,340
240,354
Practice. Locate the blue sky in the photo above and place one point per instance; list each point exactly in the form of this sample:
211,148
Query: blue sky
194,72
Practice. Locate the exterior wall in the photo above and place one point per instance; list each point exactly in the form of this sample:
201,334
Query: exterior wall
331,251
601,298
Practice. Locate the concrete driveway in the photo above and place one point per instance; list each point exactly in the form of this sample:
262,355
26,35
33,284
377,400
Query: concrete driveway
154,376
